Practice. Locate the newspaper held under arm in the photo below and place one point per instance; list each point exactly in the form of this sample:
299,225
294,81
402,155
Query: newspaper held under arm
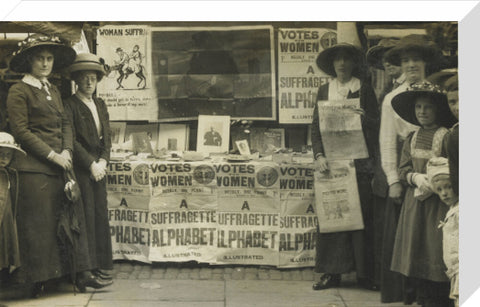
341,129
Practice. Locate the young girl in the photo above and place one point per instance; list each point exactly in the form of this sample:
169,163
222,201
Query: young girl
439,178
9,253
418,243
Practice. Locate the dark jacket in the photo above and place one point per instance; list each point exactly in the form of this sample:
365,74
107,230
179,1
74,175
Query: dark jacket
370,123
88,145
39,125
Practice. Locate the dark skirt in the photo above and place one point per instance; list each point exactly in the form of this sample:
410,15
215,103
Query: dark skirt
343,252
394,287
94,196
41,254
418,242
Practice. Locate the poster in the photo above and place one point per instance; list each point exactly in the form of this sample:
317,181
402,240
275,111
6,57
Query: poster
127,89
128,197
184,228
341,129
337,199
214,70
298,75
248,213
298,218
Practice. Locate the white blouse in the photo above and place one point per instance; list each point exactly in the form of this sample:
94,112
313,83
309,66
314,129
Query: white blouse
93,109
391,126
339,91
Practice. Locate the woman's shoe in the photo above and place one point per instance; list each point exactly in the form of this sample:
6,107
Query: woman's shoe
38,289
327,281
91,281
366,283
102,274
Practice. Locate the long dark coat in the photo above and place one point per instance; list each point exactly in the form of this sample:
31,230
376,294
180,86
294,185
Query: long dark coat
343,252
90,147
40,125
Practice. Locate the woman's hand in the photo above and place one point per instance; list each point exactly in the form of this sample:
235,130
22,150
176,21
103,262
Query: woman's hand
395,192
421,181
359,111
97,171
60,160
321,164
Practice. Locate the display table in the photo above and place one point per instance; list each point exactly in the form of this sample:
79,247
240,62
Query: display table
220,213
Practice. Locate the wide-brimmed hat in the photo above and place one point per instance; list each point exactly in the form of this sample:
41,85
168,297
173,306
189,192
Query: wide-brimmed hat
7,140
90,62
404,103
418,43
375,54
447,79
326,57
63,54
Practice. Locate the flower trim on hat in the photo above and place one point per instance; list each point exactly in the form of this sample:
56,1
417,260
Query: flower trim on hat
427,87
30,40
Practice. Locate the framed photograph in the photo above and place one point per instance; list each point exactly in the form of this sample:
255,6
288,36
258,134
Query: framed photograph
117,130
213,133
173,137
150,129
267,141
243,147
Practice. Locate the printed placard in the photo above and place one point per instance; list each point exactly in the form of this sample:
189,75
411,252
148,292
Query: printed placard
298,74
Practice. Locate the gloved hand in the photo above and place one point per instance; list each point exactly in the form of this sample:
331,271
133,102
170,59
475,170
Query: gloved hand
321,164
98,172
103,164
421,181
60,160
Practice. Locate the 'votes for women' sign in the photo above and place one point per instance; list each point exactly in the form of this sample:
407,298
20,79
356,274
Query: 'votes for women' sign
218,213
298,75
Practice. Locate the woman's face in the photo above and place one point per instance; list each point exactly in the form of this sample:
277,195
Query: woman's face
425,111
6,155
41,63
413,66
87,82
392,70
343,65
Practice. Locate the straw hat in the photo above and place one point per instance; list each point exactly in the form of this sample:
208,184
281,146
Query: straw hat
418,43
88,61
404,104
63,55
7,140
375,54
326,57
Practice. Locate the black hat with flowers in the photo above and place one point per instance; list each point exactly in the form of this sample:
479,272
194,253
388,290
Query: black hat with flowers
63,55
404,103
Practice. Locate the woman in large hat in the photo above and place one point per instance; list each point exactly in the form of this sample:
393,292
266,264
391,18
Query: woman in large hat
91,146
414,54
342,252
417,250
41,126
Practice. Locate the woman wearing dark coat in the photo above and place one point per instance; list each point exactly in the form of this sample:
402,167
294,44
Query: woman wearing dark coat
92,146
41,126
342,252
